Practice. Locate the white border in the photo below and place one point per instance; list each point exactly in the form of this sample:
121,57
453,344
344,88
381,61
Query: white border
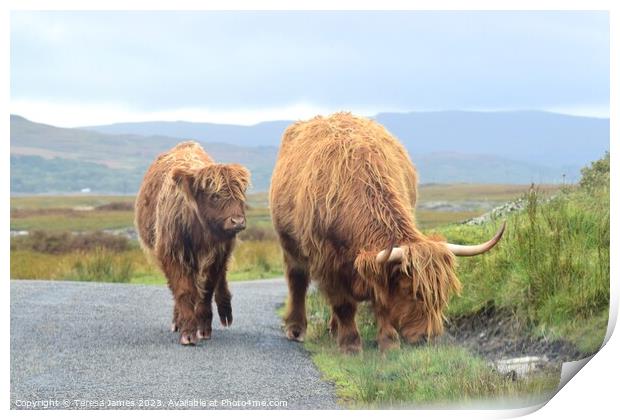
592,393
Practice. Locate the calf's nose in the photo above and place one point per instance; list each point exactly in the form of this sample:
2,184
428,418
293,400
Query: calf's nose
237,222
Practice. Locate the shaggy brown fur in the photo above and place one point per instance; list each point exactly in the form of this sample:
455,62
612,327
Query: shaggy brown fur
188,211
344,189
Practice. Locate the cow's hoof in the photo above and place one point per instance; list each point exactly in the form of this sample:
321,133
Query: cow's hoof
416,340
387,344
173,327
204,334
189,339
295,333
350,343
351,348
333,327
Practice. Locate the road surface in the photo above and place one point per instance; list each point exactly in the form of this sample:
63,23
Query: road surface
102,345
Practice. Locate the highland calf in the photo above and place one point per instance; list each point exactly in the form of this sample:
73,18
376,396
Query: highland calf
342,198
188,212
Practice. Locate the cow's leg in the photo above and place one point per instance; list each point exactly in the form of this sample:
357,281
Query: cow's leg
295,322
223,298
185,297
348,337
333,326
387,336
298,280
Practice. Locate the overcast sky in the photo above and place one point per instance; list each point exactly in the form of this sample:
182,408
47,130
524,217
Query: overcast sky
82,68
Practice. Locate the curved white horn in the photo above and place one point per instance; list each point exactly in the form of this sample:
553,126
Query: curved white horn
458,250
471,250
395,255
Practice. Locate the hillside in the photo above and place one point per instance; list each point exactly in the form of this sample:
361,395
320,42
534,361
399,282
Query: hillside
446,147
120,159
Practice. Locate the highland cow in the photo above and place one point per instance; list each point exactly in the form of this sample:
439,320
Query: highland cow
342,198
188,212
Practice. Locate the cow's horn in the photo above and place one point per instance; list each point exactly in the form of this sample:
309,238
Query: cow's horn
395,255
471,250
458,250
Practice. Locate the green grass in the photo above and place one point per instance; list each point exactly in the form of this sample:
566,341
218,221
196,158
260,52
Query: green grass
427,219
36,202
479,192
74,220
435,373
79,213
250,260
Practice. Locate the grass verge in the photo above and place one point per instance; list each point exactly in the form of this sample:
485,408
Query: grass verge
412,377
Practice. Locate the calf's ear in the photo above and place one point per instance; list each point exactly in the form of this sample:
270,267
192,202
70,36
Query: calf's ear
184,179
240,173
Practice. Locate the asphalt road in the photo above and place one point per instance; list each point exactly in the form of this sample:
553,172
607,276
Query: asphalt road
98,345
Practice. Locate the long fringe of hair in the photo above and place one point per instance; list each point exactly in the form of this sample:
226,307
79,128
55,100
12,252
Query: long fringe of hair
430,266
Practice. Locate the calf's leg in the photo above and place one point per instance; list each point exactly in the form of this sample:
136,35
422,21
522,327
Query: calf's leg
204,314
223,299
185,299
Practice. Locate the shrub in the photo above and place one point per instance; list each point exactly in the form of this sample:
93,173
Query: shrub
102,265
98,239
258,233
117,206
596,176
63,242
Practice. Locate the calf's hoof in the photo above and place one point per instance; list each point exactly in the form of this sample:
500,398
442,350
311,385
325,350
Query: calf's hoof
174,327
204,334
295,332
225,313
189,338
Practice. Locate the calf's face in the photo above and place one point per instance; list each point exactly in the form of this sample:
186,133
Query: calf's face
224,215
217,194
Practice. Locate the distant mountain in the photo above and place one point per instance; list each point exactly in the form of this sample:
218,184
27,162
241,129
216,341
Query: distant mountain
536,137
262,134
125,154
541,138
450,167
446,147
